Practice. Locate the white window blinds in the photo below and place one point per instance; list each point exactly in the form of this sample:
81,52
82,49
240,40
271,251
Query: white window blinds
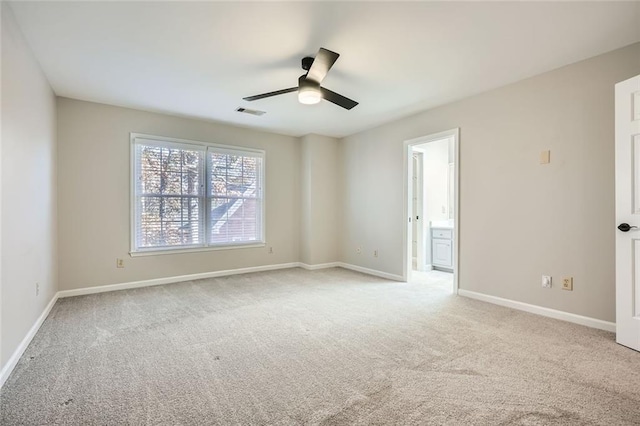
190,196
234,197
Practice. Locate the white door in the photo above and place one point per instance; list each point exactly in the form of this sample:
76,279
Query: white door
627,122
418,213
415,192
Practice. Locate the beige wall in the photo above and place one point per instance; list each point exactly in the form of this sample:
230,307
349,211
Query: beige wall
518,219
320,199
94,212
28,190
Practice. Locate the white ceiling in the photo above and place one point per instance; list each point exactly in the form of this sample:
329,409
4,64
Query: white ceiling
201,59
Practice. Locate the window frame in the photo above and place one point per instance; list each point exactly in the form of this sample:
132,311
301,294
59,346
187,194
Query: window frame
204,196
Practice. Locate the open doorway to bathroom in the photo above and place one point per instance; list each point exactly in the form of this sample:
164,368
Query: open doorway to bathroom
431,165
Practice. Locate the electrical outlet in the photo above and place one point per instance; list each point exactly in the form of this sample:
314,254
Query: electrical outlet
567,283
546,281
358,250
375,253
37,289
119,263
270,250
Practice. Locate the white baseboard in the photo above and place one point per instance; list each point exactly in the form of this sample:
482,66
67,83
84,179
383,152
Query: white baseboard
368,271
539,310
223,273
15,357
174,279
318,266
351,267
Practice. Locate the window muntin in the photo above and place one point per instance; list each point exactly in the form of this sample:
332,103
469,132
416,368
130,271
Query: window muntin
195,195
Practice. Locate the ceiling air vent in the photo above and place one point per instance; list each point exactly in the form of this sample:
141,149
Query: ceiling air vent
250,111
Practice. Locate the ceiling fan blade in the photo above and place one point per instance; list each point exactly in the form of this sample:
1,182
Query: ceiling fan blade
337,99
268,95
321,65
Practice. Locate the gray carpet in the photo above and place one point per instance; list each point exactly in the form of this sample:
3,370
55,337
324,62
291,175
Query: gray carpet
325,347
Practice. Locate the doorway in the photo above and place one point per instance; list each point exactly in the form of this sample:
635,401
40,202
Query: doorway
431,205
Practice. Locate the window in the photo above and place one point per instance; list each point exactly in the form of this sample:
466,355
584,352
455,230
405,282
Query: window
192,195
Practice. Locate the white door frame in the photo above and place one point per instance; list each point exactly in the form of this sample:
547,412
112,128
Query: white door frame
408,200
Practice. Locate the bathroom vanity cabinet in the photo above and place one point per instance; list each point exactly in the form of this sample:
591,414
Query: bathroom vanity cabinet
442,248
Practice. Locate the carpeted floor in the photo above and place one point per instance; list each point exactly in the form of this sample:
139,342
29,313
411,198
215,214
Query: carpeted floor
331,347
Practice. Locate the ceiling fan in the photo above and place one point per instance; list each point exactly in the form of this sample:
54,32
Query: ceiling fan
309,89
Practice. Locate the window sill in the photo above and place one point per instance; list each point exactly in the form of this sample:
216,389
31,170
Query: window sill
160,252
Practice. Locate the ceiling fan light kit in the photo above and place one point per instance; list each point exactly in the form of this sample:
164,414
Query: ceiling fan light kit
309,89
309,96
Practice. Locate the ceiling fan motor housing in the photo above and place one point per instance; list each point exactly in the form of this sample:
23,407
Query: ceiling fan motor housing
303,81
306,63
